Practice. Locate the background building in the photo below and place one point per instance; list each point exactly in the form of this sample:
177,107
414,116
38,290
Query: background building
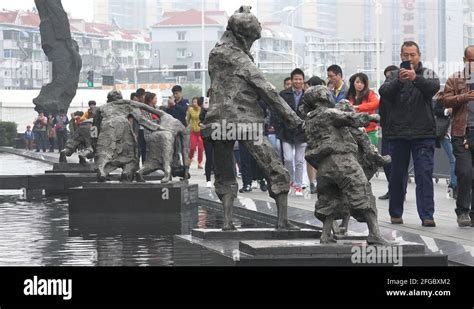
142,14
104,49
177,42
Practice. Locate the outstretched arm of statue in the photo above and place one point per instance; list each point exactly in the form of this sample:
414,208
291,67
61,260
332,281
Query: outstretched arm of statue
349,119
147,108
268,93
143,121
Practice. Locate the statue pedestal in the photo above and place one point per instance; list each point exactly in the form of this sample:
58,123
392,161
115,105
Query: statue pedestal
264,250
255,233
116,197
73,168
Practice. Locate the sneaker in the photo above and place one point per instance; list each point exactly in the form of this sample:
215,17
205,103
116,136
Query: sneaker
247,188
313,188
428,223
395,220
208,184
464,220
263,186
385,197
298,191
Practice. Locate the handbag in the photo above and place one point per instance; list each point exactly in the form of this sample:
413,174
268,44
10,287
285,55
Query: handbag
442,126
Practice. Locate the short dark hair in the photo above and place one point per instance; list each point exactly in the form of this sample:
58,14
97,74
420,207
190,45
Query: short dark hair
92,102
177,88
296,72
408,44
467,49
140,92
335,69
390,68
133,95
315,81
286,79
200,101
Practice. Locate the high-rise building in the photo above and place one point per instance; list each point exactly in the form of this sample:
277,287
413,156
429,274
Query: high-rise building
468,7
435,25
311,14
142,14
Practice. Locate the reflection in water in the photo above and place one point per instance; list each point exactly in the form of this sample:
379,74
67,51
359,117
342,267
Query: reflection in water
42,233
39,234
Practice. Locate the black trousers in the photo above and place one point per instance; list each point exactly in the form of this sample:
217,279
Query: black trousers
248,166
209,158
61,136
386,151
464,173
141,146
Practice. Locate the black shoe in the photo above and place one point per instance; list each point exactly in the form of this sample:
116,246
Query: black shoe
384,197
428,223
263,186
464,220
313,189
247,188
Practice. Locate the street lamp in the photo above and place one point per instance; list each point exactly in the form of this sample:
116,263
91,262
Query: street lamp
292,10
378,13
157,54
261,18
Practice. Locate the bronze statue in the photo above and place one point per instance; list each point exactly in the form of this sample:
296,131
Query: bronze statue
80,140
117,144
236,86
63,52
166,150
344,168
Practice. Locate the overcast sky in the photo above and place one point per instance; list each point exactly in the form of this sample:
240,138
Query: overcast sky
84,8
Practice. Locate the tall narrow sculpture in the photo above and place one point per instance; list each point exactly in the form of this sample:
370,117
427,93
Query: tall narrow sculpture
63,52
234,114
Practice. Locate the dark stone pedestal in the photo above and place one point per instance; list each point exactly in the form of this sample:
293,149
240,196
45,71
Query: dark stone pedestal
132,224
73,168
32,195
115,197
255,233
193,251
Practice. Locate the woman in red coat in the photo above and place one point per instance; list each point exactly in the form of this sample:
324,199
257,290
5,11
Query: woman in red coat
364,100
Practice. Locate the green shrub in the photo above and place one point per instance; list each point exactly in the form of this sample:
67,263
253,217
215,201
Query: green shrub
8,132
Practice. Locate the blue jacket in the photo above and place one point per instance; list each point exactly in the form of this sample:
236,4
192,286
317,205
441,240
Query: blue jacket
342,93
179,111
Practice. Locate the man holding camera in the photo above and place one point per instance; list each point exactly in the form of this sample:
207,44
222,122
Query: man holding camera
459,95
411,129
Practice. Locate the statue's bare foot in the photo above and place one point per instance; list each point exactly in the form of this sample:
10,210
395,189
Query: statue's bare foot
167,178
229,227
377,240
286,225
327,239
